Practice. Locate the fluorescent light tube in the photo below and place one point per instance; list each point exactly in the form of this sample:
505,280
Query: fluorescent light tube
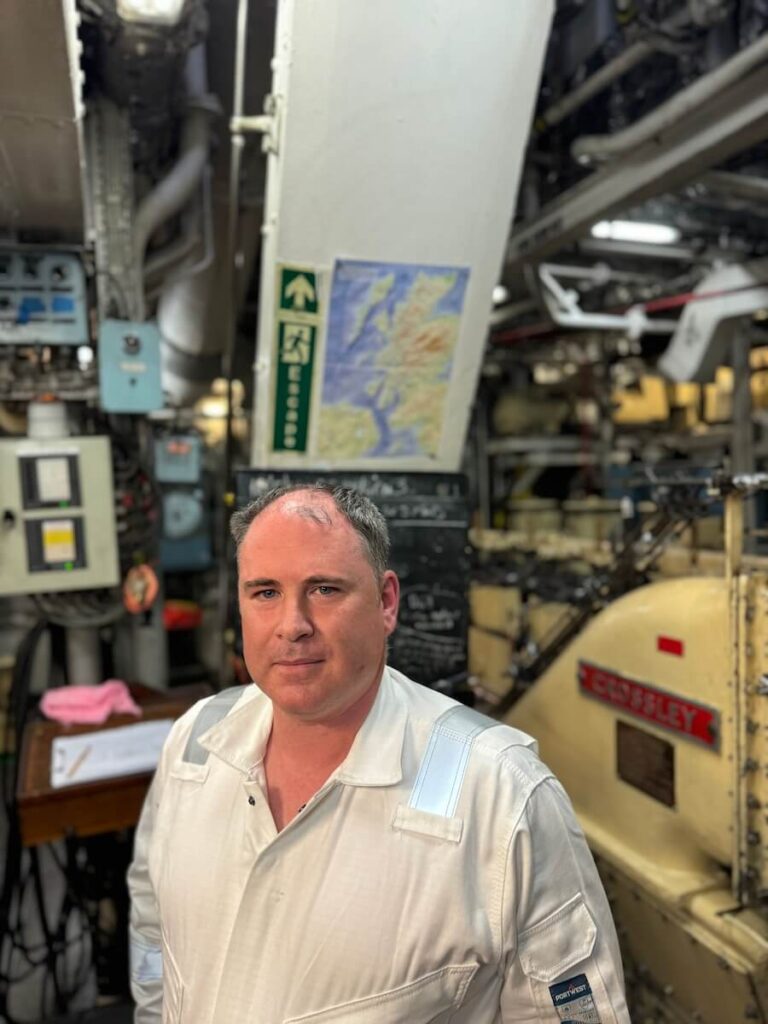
636,231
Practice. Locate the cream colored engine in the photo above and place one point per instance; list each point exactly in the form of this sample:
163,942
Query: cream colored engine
655,719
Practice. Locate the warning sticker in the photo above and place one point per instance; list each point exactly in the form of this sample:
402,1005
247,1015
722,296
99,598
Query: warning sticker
573,1001
59,541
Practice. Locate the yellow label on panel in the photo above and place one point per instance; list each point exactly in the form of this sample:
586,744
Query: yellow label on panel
59,541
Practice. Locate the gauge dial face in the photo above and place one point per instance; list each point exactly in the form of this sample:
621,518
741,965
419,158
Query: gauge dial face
182,514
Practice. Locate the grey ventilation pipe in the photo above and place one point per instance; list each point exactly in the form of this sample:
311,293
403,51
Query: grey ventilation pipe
178,187
191,355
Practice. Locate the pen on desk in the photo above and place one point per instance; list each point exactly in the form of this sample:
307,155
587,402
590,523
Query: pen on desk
77,763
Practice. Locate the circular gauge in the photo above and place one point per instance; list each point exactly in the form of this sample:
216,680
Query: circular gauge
182,514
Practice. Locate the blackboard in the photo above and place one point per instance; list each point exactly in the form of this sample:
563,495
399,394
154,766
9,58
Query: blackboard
428,518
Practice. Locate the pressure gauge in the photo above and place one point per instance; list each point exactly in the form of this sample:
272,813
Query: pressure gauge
182,513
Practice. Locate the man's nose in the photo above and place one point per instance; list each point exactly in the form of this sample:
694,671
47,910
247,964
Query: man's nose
295,622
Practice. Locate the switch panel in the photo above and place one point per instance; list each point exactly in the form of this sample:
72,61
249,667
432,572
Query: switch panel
42,299
129,367
57,515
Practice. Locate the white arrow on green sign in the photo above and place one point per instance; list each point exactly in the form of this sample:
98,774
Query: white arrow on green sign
298,290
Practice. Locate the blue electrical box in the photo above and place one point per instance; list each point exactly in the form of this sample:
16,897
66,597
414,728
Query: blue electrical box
178,459
185,539
129,367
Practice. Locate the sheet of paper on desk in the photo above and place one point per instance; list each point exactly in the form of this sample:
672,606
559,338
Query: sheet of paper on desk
108,753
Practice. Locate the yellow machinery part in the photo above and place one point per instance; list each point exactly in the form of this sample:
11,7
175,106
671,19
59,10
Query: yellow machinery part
704,962
682,877
648,403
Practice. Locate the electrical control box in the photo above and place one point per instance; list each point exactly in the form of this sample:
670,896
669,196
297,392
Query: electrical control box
185,541
42,299
129,367
57,515
178,459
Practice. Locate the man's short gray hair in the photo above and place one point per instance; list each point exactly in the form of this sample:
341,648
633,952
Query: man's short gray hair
359,511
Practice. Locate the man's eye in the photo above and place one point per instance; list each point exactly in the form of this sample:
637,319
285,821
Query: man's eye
264,594
325,588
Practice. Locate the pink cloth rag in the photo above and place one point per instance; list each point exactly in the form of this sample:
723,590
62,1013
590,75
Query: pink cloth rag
88,705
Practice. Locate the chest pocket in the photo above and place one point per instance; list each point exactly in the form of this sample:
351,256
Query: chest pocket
423,1001
185,772
180,801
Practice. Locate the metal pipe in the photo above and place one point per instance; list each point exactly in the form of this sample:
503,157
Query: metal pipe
608,73
511,310
237,144
83,656
731,123
742,428
170,260
178,186
481,461
172,254
683,104
742,186
601,274
660,305
643,250
190,354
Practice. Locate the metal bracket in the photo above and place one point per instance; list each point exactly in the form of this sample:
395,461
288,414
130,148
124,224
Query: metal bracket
267,124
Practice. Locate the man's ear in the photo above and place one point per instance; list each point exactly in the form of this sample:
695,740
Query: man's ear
390,599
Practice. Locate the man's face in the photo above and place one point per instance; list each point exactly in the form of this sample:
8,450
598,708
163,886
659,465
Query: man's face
315,617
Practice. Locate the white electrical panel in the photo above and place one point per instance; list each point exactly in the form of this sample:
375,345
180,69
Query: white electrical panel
57,515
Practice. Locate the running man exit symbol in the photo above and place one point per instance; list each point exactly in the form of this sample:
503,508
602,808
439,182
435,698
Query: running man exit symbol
297,344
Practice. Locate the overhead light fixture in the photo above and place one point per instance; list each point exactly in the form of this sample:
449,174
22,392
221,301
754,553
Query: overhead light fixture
636,231
154,12
500,294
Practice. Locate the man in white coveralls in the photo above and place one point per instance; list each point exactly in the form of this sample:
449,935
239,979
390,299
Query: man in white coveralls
336,843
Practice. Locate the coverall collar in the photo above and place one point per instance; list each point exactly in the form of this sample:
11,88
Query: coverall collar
375,758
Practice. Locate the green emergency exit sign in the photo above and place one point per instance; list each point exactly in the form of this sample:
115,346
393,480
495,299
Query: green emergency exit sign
296,334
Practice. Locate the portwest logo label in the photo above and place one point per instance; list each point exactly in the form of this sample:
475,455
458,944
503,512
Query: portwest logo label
571,992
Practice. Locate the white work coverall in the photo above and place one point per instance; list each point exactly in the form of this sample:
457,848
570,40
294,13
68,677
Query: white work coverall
366,908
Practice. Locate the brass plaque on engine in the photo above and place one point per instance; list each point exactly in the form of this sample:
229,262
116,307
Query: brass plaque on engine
646,762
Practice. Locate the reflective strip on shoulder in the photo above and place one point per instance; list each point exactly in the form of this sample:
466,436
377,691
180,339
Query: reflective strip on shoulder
210,714
441,772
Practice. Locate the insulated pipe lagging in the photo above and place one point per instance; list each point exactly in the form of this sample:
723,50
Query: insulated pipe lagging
196,73
193,147
190,355
675,110
179,185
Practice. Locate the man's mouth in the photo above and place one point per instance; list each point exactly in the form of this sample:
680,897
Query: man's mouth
297,662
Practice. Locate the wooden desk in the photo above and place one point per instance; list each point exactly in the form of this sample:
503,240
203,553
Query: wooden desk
46,814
